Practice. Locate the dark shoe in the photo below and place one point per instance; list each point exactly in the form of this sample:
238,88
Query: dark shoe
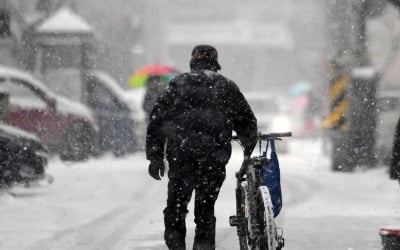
203,246
178,248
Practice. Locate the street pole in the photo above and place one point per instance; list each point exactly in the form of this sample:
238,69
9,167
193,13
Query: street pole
359,34
353,143
362,91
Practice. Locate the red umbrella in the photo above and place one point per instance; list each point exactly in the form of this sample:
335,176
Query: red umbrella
139,78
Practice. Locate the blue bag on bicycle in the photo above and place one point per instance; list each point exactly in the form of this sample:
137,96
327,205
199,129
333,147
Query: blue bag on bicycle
271,177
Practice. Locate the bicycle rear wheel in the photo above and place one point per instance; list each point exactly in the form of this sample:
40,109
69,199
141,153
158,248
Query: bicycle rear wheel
265,217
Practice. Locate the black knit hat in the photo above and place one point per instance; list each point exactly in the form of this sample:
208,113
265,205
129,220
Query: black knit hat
206,53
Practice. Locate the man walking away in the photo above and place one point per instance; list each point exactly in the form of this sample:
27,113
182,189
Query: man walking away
196,117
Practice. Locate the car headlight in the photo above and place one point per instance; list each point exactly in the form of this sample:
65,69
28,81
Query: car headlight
281,124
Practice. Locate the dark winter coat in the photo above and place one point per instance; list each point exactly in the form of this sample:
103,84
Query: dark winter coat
395,161
197,115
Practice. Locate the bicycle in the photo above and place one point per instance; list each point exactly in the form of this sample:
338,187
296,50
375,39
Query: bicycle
254,219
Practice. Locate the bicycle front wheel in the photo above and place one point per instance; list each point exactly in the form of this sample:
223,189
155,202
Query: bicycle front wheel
244,210
267,239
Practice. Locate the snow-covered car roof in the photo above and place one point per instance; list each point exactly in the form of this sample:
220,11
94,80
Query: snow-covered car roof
64,104
133,98
6,71
110,83
14,131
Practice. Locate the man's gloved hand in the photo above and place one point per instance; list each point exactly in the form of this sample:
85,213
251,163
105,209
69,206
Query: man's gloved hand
156,169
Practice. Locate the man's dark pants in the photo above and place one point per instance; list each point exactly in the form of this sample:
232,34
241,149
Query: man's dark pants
185,177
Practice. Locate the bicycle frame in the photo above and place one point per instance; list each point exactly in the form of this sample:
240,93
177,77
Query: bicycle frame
253,231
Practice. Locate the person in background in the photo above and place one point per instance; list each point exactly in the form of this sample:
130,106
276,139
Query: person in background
394,171
311,114
195,118
154,88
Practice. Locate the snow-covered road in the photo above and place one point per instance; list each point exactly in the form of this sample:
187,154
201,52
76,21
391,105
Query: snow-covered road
110,203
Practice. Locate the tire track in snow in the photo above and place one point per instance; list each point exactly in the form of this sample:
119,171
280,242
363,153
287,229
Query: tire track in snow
227,238
103,232
298,189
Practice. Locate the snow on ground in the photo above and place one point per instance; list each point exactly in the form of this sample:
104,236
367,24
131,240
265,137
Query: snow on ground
110,203
333,210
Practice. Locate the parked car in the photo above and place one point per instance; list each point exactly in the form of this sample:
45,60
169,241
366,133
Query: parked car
23,157
114,115
270,116
65,126
135,98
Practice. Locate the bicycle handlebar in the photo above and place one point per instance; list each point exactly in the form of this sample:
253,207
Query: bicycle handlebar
262,137
269,136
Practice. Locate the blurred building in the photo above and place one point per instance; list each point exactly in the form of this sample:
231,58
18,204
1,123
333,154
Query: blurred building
49,39
119,29
17,18
115,34
263,44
